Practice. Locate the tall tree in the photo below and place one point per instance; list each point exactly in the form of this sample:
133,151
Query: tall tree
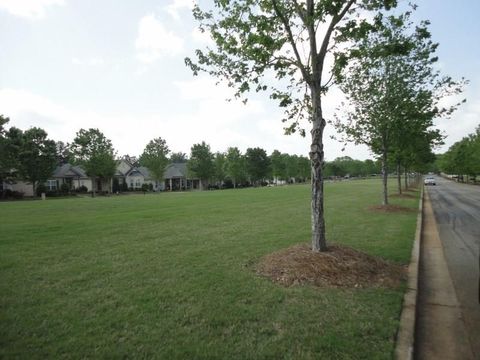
95,153
303,168
290,39
220,162
37,156
11,141
64,155
279,170
178,157
235,165
391,85
258,164
201,163
155,158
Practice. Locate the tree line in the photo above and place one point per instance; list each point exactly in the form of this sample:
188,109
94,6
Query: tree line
462,158
30,155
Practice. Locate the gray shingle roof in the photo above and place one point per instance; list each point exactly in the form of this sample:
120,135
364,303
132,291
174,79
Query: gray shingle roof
176,170
69,170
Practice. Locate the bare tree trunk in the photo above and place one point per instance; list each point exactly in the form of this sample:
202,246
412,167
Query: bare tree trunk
319,242
406,178
94,185
384,178
399,178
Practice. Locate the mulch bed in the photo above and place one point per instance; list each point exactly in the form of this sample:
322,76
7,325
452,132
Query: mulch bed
339,267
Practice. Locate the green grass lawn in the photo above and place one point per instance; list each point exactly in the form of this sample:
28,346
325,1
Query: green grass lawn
169,276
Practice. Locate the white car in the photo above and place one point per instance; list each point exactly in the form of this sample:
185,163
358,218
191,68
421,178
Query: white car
429,181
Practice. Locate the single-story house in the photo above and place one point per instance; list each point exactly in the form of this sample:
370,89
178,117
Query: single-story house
126,175
177,178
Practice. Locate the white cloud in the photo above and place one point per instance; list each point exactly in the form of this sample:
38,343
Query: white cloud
32,9
178,5
154,41
92,61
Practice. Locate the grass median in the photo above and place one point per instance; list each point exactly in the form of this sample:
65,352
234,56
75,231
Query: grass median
169,276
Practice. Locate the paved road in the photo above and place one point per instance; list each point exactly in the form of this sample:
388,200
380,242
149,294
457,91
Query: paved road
457,213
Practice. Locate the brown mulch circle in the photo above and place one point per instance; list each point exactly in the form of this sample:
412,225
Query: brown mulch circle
391,209
339,267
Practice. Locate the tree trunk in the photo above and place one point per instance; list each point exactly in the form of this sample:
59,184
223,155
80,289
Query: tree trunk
406,178
399,178
319,242
94,185
384,178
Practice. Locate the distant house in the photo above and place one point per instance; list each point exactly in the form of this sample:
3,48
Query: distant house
127,176
176,178
74,176
20,186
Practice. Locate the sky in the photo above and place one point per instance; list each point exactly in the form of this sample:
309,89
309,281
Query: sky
118,66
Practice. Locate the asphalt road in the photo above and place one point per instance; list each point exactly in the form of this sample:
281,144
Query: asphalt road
457,213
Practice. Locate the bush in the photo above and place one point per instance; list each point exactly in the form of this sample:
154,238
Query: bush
41,189
17,195
82,189
144,187
65,189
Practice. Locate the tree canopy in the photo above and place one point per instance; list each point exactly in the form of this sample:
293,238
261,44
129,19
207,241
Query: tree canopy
155,157
37,156
95,153
201,163
394,92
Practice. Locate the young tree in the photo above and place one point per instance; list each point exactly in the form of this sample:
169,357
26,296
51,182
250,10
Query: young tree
279,171
392,86
155,158
201,163
258,164
304,169
290,39
37,156
95,153
235,165
10,142
220,162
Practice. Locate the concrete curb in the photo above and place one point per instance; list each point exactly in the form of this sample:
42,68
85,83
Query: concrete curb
406,331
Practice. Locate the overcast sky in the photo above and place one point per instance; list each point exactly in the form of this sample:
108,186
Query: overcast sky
117,65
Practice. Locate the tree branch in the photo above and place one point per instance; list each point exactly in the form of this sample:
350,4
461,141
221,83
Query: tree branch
335,20
288,29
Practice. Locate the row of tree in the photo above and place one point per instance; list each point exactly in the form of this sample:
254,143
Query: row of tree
384,64
463,157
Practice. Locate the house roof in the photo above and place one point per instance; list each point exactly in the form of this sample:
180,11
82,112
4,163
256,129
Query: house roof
136,171
69,170
176,170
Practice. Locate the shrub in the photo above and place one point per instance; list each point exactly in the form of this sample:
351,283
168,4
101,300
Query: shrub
82,189
41,188
144,187
64,189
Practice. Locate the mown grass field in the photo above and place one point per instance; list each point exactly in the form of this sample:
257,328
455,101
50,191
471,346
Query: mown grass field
168,276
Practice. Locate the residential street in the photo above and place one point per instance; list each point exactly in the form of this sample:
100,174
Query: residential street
457,213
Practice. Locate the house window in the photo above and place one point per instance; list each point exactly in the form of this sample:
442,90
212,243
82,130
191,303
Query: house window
138,183
51,185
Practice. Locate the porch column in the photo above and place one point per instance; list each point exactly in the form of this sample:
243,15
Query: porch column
171,189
